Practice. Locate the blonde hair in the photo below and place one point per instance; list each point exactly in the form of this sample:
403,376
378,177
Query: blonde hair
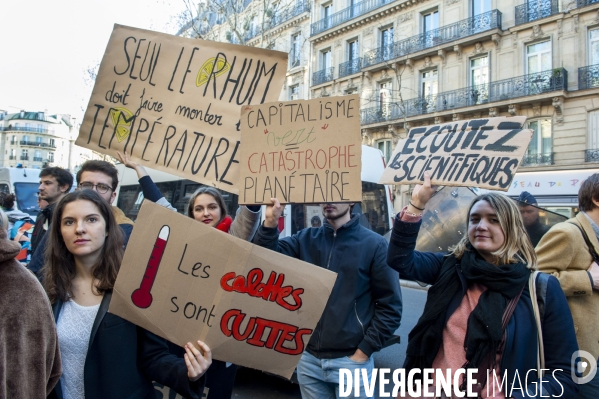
516,246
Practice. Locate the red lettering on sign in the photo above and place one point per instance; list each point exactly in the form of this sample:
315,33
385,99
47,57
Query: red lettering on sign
276,337
272,291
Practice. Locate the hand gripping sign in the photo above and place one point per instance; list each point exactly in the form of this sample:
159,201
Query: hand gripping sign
185,281
477,153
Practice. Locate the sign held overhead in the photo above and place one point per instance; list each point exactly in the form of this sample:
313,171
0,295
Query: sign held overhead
173,103
478,153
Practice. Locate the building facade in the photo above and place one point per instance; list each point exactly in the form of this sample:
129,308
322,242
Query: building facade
37,139
420,62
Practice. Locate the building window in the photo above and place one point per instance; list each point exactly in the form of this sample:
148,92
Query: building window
594,46
538,57
593,137
38,140
325,12
24,155
25,139
480,7
430,22
325,59
386,42
51,157
293,92
352,50
37,157
295,53
386,147
385,98
540,148
479,79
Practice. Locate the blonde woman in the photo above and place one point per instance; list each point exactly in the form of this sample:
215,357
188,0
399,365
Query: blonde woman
482,280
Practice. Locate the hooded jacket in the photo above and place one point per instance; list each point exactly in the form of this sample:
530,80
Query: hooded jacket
29,356
364,308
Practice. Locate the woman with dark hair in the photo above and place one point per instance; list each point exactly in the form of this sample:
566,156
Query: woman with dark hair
104,356
481,282
207,206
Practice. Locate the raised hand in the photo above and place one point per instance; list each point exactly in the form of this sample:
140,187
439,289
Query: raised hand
273,213
141,171
422,193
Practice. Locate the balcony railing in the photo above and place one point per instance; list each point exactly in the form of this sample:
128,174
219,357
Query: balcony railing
346,14
445,34
536,9
591,155
322,76
350,67
521,86
583,3
537,159
37,159
36,144
27,129
279,18
12,157
24,157
14,142
588,77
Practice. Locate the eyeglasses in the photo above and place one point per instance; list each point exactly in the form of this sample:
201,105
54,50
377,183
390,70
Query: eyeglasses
100,188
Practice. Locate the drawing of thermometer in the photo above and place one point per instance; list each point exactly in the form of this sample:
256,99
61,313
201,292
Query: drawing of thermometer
141,297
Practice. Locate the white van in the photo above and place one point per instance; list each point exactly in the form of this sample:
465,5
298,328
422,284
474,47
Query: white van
24,183
376,206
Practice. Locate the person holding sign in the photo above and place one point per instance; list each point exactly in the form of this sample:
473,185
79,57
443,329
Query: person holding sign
478,313
364,308
104,356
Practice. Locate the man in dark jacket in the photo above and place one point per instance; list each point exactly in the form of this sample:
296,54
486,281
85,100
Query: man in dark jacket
364,308
530,216
55,182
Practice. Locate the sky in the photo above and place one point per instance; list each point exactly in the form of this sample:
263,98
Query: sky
47,47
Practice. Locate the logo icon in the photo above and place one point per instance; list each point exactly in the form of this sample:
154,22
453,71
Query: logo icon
583,362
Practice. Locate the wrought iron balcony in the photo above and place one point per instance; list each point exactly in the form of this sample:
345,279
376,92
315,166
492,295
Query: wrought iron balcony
445,34
24,157
35,143
27,129
537,159
14,142
588,76
12,157
37,159
346,14
324,75
278,18
529,85
591,155
536,9
350,67
583,3
521,86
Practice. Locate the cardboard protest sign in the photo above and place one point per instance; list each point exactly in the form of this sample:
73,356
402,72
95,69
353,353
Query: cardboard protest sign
303,151
173,103
185,281
478,153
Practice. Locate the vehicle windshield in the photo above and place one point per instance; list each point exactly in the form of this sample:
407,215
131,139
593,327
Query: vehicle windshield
26,194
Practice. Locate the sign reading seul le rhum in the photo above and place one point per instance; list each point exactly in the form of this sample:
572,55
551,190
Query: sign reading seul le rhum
306,151
478,153
173,103
185,281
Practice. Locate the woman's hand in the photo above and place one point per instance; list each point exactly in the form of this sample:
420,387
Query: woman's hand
273,213
141,171
594,272
197,362
422,193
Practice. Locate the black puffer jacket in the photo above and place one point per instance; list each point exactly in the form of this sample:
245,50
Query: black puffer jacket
364,308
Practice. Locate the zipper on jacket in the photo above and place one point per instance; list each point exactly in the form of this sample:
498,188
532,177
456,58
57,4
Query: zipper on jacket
328,264
358,317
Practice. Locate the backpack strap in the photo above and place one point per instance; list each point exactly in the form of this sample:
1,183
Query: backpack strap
594,254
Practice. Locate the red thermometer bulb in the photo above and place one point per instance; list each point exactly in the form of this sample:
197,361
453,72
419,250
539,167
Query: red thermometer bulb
141,297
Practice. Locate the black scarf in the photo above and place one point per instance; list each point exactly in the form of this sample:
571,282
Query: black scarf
484,331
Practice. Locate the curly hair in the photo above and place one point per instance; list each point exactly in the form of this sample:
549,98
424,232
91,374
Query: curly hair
59,266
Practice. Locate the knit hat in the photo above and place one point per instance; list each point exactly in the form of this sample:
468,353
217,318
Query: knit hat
527,198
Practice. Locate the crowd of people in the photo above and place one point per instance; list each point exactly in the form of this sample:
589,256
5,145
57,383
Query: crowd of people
488,308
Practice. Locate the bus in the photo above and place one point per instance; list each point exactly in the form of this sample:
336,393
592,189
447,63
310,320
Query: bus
375,209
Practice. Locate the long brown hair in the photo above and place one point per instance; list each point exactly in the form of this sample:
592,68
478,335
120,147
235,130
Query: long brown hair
516,246
220,201
59,265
